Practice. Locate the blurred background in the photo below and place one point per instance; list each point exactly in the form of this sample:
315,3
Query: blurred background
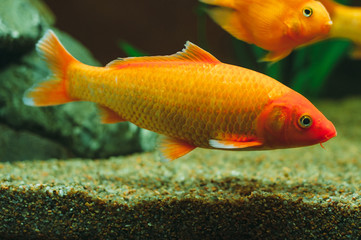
113,28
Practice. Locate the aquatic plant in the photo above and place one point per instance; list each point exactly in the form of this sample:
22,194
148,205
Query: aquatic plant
307,69
130,50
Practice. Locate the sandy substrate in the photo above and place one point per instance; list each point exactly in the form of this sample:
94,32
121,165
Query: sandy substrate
305,193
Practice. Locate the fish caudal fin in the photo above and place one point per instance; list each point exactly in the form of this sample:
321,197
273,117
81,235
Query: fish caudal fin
223,3
228,19
54,90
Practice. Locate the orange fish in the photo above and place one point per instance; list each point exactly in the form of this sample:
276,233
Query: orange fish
190,97
346,24
278,26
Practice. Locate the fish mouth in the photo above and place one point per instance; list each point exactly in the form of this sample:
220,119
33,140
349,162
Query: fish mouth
329,23
327,26
329,136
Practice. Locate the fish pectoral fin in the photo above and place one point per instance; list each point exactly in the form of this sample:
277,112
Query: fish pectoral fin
172,148
232,144
292,28
109,116
275,56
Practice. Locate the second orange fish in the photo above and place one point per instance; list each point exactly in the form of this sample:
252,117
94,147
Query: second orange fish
278,26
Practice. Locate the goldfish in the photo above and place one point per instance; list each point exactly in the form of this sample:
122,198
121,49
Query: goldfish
190,97
278,26
346,24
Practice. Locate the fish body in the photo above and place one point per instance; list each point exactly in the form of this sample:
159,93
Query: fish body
346,24
190,97
278,26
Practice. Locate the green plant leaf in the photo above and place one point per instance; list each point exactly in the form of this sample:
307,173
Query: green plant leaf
130,50
315,64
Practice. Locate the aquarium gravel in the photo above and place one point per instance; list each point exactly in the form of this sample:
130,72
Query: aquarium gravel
304,193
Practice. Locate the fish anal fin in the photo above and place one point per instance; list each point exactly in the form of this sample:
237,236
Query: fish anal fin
232,144
191,53
172,148
109,116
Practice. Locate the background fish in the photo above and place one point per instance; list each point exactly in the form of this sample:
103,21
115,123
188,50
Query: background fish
190,97
278,26
346,24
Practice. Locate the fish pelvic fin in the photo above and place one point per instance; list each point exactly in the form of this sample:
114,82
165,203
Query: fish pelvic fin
172,148
107,115
191,53
275,56
355,52
54,90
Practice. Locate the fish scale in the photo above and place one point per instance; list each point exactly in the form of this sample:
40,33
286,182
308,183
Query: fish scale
229,97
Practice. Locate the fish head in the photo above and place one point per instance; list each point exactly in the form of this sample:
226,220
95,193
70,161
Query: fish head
311,20
293,121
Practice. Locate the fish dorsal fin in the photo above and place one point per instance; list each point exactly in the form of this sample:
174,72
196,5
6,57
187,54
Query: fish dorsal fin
191,53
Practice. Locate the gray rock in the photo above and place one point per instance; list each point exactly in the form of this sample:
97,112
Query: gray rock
69,130
24,145
21,25
75,126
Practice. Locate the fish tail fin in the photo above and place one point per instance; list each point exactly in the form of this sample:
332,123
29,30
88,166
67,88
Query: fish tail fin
229,20
54,90
223,3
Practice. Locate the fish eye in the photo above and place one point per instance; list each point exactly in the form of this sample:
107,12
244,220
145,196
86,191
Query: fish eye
307,12
305,121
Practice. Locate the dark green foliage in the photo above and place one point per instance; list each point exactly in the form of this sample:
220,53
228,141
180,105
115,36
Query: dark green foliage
130,50
306,70
313,66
